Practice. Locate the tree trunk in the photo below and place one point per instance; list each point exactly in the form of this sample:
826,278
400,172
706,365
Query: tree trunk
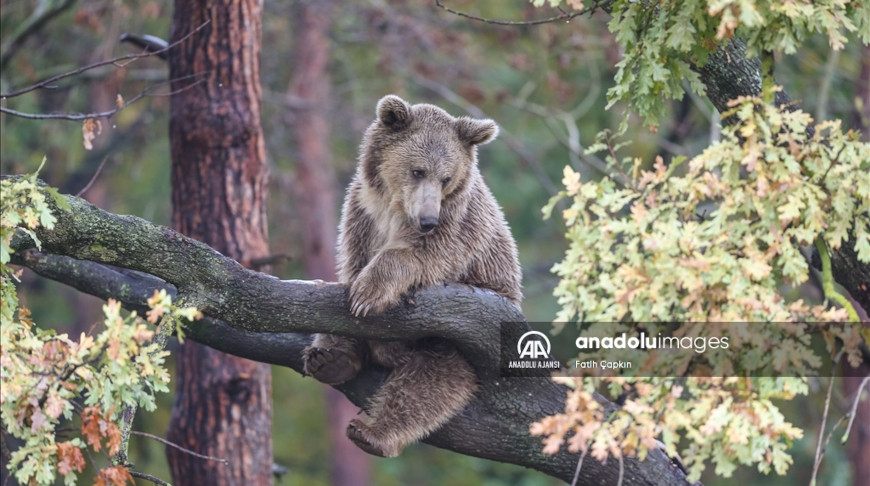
315,191
223,403
315,178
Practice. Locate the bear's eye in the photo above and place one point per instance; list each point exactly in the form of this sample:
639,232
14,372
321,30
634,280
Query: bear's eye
418,174
445,181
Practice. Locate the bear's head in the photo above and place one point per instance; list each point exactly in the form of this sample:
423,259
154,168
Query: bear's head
419,157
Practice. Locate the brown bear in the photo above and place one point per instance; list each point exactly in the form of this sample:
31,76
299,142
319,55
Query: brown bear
417,213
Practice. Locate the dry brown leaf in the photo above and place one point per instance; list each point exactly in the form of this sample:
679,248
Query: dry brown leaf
90,129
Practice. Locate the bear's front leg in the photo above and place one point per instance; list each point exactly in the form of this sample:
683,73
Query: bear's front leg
382,282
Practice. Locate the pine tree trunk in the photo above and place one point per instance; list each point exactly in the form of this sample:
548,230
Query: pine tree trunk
223,403
316,203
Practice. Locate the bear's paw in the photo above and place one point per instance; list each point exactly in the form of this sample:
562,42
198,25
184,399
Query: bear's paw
330,366
368,297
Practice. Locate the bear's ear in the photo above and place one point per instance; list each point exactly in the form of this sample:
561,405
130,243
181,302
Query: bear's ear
394,112
476,132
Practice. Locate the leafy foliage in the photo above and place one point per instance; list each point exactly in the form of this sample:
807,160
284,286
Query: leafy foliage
715,243
727,421
712,245
49,378
22,208
663,40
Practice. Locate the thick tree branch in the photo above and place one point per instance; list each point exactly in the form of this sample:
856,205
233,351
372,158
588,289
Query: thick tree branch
260,317
222,288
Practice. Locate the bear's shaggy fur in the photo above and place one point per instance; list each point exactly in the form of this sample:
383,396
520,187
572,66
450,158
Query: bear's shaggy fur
417,213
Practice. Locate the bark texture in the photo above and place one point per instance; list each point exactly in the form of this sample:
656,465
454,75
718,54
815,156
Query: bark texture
222,403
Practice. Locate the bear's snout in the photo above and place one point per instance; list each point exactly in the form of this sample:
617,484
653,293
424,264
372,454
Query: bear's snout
428,223
424,202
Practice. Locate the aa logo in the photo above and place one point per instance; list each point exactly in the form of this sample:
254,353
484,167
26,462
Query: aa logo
531,348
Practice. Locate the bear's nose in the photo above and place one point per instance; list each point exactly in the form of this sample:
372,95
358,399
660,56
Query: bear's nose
428,223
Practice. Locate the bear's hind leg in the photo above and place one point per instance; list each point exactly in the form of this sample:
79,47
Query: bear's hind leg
417,398
333,359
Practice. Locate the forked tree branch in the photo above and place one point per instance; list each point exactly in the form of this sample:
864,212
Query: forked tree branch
260,317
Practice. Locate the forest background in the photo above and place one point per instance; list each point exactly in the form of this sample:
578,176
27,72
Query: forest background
544,84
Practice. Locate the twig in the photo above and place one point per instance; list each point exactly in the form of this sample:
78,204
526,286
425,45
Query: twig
831,433
836,159
94,178
46,82
103,114
818,459
565,16
854,411
621,471
91,458
579,466
148,477
628,182
182,449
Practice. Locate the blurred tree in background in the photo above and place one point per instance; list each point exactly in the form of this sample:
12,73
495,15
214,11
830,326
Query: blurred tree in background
544,84
223,404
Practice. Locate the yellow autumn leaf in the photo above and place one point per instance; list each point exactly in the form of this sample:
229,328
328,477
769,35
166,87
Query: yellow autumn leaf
571,180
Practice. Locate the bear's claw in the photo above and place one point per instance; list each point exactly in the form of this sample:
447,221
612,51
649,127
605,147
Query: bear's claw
361,435
361,306
330,366
369,297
